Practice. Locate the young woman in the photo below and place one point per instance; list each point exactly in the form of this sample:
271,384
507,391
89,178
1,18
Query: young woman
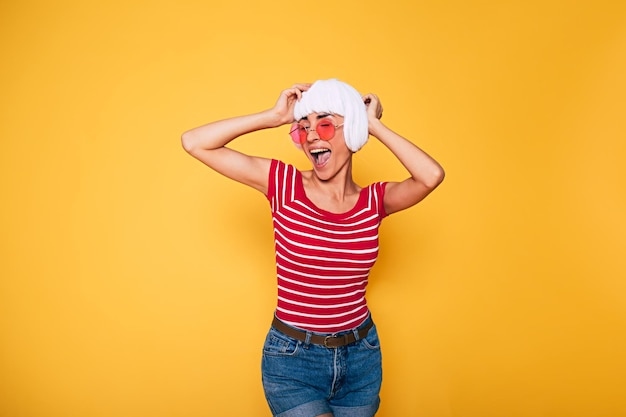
322,355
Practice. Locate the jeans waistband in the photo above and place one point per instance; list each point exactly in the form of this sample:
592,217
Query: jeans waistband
329,341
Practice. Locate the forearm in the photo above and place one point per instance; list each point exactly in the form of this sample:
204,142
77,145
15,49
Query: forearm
421,166
217,134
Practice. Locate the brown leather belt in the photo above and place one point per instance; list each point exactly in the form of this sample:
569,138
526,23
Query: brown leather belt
330,341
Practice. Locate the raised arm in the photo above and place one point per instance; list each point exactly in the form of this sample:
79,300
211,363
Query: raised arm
426,173
207,143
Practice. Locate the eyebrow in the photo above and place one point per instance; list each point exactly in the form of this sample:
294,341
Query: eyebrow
319,116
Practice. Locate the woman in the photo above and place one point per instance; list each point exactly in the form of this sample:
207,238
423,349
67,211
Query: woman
321,356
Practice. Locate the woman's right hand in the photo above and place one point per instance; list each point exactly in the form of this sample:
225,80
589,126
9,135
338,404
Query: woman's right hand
283,109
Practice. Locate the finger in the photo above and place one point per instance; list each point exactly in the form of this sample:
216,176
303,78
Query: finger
293,91
299,88
369,98
302,86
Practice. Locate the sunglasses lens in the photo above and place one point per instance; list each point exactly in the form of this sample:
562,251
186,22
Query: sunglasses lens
303,133
297,133
325,129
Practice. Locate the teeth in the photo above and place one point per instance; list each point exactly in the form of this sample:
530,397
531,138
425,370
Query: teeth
316,151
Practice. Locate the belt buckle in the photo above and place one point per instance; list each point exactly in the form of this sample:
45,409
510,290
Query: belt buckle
326,341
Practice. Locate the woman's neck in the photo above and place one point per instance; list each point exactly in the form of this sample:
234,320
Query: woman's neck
337,194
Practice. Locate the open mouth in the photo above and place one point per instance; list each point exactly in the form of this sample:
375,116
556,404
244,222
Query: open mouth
320,156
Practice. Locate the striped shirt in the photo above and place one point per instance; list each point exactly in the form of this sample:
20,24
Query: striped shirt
323,259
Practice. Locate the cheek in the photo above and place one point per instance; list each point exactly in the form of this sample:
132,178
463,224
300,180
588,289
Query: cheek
339,144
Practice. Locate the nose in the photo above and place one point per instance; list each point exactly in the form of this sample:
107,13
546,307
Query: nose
310,130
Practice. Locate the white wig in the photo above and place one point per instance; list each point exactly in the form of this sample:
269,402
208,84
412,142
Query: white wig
337,97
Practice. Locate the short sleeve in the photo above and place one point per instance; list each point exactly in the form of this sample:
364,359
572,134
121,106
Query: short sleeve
379,190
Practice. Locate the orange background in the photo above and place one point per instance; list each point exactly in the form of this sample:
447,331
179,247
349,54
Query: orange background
136,282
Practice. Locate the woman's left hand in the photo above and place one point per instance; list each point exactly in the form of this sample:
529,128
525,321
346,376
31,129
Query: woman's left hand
374,109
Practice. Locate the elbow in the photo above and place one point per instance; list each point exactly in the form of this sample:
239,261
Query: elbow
441,175
187,142
436,177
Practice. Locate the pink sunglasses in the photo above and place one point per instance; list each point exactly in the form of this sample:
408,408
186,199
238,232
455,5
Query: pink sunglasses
325,129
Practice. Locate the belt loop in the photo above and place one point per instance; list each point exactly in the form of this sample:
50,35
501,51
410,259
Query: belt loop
307,340
356,334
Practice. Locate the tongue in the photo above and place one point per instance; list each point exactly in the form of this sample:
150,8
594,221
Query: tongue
323,158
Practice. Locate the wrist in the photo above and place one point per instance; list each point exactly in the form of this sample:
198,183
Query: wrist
270,119
375,126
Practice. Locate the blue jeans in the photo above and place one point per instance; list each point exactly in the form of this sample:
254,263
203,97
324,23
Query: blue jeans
305,380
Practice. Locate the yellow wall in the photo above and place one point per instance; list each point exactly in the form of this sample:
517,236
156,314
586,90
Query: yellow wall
136,282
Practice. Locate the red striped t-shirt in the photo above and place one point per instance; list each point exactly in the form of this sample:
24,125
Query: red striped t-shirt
323,259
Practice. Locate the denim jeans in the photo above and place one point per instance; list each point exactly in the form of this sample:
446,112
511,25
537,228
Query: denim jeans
304,380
